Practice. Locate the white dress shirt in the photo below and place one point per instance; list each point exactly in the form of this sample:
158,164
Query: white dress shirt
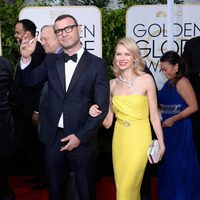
70,67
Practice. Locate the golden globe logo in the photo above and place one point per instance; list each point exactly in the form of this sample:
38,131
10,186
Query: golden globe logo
91,29
147,25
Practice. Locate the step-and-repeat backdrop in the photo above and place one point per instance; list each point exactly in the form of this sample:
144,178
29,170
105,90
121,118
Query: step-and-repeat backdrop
146,24
89,17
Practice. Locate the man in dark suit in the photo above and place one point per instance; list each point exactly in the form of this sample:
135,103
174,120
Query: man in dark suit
76,80
26,102
51,44
6,128
191,55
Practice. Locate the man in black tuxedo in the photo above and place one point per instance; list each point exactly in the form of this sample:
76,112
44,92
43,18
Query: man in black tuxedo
26,101
191,55
6,128
51,44
76,79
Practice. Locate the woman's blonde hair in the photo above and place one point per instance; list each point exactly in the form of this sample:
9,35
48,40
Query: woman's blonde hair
131,45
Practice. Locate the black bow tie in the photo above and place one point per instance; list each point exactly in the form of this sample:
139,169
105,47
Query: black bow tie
68,57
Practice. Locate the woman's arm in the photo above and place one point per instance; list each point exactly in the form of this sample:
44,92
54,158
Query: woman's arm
186,91
153,110
94,110
107,123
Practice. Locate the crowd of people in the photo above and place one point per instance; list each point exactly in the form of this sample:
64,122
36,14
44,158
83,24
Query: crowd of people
60,95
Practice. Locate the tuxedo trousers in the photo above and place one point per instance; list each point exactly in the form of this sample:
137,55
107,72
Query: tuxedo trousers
59,164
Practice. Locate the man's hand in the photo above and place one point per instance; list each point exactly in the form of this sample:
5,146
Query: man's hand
35,118
27,47
72,143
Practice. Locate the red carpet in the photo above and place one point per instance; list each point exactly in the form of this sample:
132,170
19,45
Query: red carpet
23,190
105,189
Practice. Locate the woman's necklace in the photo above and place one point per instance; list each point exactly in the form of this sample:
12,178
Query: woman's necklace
129,82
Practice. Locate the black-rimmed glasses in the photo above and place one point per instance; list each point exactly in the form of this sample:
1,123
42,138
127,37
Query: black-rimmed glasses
67,29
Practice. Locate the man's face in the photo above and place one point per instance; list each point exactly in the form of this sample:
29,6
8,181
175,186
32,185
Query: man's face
19,32
49,40
69,40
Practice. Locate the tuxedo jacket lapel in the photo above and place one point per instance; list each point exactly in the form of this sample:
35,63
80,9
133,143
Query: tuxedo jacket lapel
79,70
61,70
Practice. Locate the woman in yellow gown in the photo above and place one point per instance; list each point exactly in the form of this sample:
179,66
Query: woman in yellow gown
133,101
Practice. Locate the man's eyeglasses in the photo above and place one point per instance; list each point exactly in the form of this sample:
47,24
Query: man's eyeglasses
67,29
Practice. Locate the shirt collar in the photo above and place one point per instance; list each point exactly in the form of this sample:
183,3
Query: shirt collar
79,53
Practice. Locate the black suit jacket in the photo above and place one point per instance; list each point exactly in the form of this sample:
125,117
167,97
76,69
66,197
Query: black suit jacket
6,120
27,98
43,105
191,55
89,85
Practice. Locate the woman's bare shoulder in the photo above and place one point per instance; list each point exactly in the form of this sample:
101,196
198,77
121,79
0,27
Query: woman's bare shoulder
146,78
113,83
183,83
183,80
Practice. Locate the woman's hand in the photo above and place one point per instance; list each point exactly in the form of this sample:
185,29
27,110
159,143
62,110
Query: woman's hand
94,110
168,122
161,152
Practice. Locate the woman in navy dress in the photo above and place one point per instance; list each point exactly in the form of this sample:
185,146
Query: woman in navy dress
179,170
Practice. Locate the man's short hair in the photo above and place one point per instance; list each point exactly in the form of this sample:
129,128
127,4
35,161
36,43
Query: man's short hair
66,16
28,26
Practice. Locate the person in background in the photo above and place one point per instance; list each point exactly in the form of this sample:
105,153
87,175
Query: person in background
132,99
49,40
26,101
50,43
6,128
192,58
179,170
76,79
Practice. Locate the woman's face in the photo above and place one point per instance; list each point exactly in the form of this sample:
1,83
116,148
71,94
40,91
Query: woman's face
168,69
123,58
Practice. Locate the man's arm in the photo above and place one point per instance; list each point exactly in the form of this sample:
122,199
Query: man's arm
101,98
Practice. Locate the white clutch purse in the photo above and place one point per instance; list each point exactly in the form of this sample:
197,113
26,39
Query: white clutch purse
153,152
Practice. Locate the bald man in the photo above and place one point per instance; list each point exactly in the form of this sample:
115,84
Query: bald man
49,40
50,44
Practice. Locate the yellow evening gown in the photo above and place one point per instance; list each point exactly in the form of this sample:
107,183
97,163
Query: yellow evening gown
131,139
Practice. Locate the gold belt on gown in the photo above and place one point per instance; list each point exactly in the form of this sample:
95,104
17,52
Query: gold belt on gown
128,123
